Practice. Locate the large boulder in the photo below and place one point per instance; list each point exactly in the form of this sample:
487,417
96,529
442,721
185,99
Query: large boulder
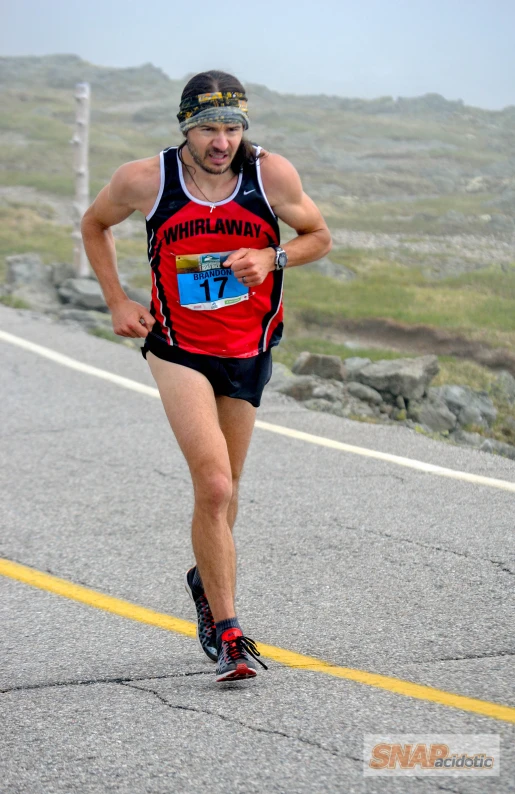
61,272
355,364
470,407
300,388
25,269
433,414
331,367
364,393
408,377
84,293
305,387
29,279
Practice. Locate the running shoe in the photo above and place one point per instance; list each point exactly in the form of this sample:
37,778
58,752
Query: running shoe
236,655
206,628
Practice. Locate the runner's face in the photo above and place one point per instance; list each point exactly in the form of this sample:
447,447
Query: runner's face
213,146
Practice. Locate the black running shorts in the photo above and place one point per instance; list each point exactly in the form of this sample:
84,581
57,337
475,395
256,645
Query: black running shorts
242,378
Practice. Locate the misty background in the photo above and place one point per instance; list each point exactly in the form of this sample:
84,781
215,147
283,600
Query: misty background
400,119
462,49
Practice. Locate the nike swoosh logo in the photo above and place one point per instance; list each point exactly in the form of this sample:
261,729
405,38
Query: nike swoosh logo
246,192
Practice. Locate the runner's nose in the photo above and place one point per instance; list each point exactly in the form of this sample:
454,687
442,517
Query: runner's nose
220,142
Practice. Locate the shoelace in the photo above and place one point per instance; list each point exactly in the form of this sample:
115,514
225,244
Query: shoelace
235,647
207,615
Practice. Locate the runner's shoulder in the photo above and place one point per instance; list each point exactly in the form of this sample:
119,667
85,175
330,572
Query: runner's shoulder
135,182
280,178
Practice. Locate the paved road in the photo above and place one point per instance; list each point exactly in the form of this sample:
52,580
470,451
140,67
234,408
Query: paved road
358,562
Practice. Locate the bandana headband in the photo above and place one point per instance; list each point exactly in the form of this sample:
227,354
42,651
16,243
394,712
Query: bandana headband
228,108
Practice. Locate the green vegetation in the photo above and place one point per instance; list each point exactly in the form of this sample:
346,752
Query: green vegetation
292,345
25,230
105,333
383,289
30,228
13,302
383,166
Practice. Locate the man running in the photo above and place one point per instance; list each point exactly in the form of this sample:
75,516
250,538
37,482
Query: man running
212,207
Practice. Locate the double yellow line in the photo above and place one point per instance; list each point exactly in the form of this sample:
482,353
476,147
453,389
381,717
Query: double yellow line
126,609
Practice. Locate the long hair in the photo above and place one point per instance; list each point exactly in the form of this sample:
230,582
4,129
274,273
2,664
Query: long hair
209,82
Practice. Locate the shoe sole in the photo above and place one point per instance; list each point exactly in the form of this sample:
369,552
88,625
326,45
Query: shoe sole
241,672
190,593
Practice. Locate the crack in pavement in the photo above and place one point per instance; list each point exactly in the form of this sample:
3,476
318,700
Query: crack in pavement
91,681
496,655
67,428
436,548
242,724
170,476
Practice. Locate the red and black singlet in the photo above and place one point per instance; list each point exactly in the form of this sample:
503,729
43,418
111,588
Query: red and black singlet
197,303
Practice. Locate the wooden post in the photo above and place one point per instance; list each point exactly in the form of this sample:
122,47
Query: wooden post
80,143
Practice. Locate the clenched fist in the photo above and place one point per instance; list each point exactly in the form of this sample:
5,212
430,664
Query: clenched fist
131,319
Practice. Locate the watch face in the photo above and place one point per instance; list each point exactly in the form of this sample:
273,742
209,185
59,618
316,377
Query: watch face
282,259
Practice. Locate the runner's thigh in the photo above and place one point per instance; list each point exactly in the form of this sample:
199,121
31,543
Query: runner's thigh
190,405
236,418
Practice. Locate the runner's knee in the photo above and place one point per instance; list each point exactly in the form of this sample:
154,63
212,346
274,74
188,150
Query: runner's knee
213,489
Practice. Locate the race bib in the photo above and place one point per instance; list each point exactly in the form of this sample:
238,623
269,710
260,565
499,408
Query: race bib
204,282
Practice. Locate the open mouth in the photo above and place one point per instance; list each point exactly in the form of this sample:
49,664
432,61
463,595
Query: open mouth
218,158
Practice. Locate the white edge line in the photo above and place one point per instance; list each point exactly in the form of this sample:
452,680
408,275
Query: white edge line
133,385
419,465
66,361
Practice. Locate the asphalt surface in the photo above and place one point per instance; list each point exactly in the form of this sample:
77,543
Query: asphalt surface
358,562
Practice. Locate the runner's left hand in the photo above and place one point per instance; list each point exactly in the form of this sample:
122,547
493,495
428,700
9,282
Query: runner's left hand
252,263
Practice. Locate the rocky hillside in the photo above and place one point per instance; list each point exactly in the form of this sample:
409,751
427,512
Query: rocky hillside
424,164
419,194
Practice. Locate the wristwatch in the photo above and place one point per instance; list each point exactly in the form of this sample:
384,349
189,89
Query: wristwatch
281,257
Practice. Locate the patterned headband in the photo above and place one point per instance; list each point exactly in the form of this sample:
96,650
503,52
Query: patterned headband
230,106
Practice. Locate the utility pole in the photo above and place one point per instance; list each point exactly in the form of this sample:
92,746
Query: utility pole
80,142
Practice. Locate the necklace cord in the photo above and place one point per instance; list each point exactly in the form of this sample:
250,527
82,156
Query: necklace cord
190,169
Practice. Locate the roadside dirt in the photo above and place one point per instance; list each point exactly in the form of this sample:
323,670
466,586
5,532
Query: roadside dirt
419,339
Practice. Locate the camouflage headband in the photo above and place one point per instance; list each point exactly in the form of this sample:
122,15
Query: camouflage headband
229,107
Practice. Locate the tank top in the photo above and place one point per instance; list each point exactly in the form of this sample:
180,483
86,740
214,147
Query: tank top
197,303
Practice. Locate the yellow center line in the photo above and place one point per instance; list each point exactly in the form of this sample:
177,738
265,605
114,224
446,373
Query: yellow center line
127,609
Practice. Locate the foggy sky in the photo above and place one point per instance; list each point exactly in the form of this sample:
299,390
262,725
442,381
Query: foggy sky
462,49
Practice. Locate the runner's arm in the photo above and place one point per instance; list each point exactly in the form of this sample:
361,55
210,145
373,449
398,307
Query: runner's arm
289,202
111,206
114,203
284,191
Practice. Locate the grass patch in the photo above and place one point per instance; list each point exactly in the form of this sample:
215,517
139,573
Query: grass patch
463,373
419,216
292,345
105,333
387,290
23,230
60,184
13,302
